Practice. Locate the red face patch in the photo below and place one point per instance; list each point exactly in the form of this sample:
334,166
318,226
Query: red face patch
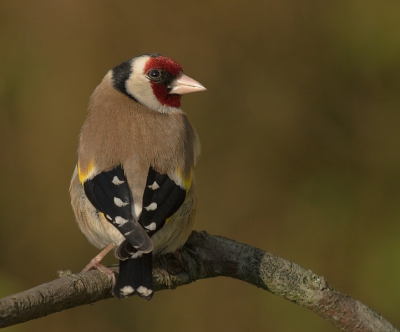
164,63
162,95
160,89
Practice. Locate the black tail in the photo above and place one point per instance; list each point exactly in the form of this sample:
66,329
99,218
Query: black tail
135,276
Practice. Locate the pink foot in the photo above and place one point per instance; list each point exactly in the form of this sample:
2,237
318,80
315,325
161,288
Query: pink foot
95,263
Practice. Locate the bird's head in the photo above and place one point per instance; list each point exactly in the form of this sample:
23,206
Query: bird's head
154,81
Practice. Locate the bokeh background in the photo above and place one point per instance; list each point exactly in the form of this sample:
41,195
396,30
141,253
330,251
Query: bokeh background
300,131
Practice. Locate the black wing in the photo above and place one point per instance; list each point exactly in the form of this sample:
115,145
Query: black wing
110,194
162,197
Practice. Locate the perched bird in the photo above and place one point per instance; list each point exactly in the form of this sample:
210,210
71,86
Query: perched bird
133,185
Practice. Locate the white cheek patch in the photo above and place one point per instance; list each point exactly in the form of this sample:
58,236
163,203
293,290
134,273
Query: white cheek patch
139,87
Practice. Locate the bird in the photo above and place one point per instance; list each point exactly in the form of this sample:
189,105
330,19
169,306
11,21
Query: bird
133,187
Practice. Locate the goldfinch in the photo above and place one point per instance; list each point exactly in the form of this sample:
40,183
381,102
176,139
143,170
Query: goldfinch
133,185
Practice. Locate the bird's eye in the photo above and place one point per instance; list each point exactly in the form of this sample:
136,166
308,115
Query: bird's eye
154,74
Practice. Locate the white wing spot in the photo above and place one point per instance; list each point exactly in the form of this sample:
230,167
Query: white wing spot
154,186
117,181
127,233
151,207
120,221
137,254
144,291
151,227
119,202
108,217
126,290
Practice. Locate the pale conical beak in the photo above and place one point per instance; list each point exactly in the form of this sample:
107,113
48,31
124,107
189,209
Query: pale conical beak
185,84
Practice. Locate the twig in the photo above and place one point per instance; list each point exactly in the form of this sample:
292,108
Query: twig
204,256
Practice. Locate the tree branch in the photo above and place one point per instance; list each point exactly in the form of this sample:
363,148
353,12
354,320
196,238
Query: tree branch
204,256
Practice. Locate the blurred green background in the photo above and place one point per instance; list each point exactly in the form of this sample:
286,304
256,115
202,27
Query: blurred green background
300,131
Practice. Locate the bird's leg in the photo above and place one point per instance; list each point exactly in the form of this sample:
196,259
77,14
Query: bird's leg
95,263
